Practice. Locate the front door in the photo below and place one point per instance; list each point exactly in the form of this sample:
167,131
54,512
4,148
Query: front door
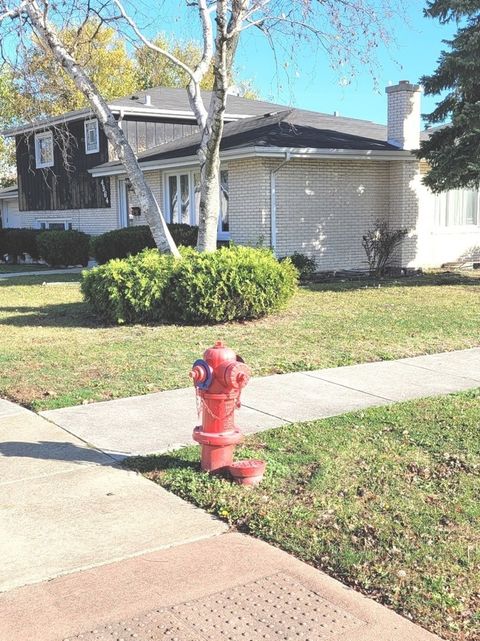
11,217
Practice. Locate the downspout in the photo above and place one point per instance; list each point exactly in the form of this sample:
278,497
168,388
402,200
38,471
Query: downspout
273,202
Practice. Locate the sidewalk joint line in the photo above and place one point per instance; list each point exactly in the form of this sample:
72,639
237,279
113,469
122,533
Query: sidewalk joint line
353,389
280,418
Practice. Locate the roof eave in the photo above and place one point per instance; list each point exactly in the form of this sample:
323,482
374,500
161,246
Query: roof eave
9,196
265,152
116,109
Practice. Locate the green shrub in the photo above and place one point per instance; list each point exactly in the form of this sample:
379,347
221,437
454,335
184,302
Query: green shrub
17,242
129,290
306,266
121,243
232,283
69,247
184,235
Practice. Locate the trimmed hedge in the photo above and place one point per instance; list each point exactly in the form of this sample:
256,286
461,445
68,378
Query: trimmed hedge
16,242
233,283
121,243
69,247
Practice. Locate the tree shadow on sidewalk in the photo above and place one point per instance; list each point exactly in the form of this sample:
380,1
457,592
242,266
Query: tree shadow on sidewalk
56,451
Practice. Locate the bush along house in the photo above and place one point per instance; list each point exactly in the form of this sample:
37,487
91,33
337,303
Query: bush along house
292,180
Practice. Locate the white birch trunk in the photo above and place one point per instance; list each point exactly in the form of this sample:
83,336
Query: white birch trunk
226,41
114,133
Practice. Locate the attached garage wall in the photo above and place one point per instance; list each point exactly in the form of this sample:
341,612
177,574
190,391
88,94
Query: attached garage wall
323,207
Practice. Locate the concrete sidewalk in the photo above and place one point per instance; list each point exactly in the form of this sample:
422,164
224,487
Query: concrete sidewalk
65,507
92,552
162,421
231,588
43,272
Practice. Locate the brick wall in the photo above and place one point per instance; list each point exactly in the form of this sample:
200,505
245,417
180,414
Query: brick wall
249,202
403,126
323,207
155,180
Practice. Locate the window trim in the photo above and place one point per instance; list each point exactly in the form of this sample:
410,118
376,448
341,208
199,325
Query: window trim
67,223
85,124
221,235
43,136
451,227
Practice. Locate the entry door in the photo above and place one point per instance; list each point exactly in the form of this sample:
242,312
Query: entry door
123,207
11,217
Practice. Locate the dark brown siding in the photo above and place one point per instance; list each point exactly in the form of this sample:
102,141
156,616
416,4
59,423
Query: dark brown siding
144,134
66,185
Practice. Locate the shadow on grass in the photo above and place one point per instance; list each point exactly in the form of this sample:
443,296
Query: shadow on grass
63,315
424,280
160,463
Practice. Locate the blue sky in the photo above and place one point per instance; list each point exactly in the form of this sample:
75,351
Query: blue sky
313,85
310,83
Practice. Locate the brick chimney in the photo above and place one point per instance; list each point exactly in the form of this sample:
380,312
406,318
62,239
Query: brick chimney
403,128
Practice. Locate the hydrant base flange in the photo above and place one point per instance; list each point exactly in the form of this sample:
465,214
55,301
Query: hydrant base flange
217,439
217,449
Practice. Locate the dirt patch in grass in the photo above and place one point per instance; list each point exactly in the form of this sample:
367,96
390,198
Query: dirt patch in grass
385,500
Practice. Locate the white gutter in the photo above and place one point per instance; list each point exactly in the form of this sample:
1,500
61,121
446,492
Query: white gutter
9,196
262,152
273,202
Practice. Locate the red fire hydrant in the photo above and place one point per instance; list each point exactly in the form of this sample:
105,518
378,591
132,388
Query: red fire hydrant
219,379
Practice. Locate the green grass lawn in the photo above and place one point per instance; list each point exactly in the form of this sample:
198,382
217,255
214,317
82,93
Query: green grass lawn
15,269
55,353
386,500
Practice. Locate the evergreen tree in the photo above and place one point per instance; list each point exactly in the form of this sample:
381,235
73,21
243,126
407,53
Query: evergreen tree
453,150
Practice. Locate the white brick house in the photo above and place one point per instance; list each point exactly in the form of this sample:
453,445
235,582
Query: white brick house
301,181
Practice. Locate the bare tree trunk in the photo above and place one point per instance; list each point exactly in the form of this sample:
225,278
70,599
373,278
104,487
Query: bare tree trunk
114,133
226,41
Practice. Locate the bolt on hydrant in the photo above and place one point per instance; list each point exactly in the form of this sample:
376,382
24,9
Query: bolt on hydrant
219,379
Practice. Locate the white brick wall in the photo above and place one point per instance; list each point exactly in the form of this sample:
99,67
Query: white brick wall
155,180
249,203
323,207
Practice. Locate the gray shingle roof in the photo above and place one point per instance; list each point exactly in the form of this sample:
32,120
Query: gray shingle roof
291,128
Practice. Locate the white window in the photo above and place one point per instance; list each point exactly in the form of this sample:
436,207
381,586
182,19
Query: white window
182,203
55,224
91,137
44,150
457,208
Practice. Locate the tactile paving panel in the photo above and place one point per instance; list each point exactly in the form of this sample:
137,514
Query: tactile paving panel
273,608
157,625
